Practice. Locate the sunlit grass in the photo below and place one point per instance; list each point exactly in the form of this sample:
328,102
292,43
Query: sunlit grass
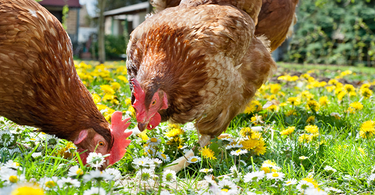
307,131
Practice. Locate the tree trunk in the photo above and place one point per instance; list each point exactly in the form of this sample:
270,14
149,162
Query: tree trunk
101,5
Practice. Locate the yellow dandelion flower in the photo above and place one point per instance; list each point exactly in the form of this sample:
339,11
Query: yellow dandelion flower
115,86
294,101
272,97
123,79
175,141
208,153
143,135
96,98
283,104
305,138
366,93
367,129
246,132
249,144
253,106
128,101
273,108
131,110
101,107
288,131
275,88
313,129
174,132
310,120
27,190
356,105
291,112
341,95
261,148
330,88
313,105
323,101
312,181
346,72
107,89
349,88
333,82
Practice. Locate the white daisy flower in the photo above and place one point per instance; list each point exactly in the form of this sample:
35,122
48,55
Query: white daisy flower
169,176
157,161
75,171
329,169
303,185
52,141
206,170
6,138
254,176
10,175
142,162
95,191
210,180
12,165
303,157
275,175
227,187
290,182
238,152
68,182
97,175
150,151
116,174
153,141
48,182
36,154
193,159
146,175
163,157
96,159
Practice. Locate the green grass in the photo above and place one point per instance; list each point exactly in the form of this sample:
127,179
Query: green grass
338,144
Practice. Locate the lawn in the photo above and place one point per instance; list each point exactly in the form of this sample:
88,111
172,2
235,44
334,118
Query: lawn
309,130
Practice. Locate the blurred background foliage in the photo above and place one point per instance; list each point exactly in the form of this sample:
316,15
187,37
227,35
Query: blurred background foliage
334,32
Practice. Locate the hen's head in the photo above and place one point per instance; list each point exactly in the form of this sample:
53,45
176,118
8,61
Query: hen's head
90,140
147,104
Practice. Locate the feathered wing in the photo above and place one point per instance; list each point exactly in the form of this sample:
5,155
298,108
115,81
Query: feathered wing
275,19
39,85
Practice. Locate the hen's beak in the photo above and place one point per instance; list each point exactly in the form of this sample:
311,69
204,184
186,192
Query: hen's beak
142,126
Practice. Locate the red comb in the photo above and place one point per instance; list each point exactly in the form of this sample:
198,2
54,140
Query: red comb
138,93
120,143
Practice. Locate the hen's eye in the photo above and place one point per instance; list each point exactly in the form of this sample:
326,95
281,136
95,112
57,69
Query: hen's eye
153,102
101,143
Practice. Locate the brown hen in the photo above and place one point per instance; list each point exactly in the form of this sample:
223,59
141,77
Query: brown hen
39,85
198,61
